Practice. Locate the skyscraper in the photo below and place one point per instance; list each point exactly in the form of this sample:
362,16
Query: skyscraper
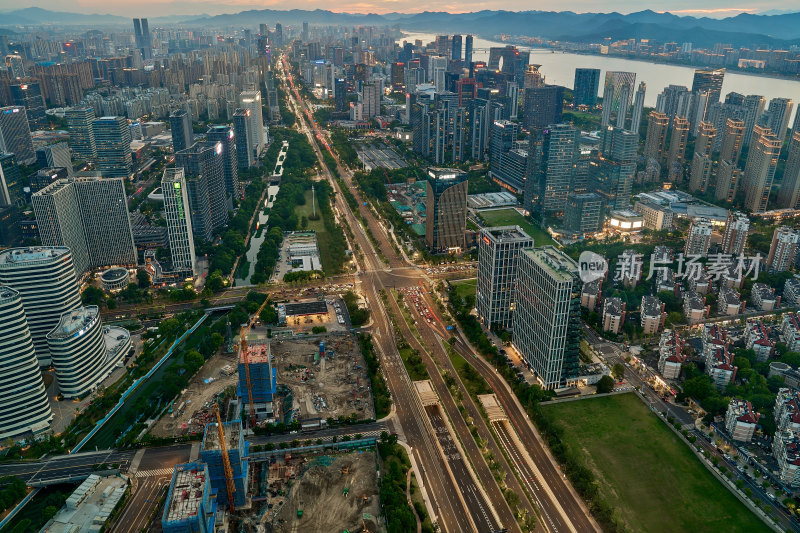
143,39
677,148
371,98
503,135
612,93
179,220
543,106
584,213
789,193
762,160
244,155
586,86
656,139
81,132
11,190
205,175
728,179
709,80
777,116
732,137
734,238
498,252
112,138
752,107
103,207
552,169
340,95
547,315
456,48
55,156
700,175
24,408
638,107
698,238
59,221
45,280
612,176
29,96
446,210
181,127
251,101
15,134
468,50
225,136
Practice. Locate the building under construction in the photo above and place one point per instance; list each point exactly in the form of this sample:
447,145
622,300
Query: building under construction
238,451
191,503
263,380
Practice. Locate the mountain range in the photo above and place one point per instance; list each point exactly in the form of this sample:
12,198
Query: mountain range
773,30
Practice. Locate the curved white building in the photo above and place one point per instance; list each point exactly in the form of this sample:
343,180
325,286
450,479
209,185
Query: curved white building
78,350
24,408
45,280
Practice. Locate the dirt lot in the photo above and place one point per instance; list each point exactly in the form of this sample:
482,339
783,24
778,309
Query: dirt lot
190,410
335,386
320,492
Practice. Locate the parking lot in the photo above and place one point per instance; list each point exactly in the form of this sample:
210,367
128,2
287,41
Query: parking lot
378,155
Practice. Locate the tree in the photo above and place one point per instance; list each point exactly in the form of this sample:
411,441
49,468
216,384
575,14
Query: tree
142,279
49,512
93,296
268,314
618,371
605,385
215,282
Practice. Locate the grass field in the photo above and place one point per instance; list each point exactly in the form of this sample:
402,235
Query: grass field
466,288
323,240
645,472
509,217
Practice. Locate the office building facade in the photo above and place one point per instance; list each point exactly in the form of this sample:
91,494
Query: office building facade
179,220
180,123
55,155
586,86
225,136
446,210
60,224
81,133
251,101
203,166
112,138
15,134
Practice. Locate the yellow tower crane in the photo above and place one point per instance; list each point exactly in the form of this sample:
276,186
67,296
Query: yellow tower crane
226,461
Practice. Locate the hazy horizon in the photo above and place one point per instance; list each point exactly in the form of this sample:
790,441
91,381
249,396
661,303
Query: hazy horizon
156,8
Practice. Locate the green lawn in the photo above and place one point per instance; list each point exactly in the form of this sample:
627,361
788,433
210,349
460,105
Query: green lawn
467,287
323,241
645,472
510,217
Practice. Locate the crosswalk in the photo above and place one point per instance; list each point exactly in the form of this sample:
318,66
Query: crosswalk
154,473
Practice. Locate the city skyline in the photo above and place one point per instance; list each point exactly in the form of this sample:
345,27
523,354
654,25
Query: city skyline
711,8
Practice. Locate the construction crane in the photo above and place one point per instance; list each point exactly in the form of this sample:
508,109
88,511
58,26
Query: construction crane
226,461
246,359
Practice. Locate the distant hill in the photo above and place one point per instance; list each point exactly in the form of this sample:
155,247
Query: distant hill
37,16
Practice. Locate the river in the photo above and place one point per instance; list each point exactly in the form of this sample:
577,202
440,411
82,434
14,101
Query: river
559,69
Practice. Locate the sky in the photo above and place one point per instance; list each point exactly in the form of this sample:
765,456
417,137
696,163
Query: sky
155,8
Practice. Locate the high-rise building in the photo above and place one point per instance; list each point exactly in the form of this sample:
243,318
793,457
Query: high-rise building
638,107
710,81
734,237
78,350
11,189
498,252
612,176
584,213
15,134
677,147
103,208
777,115
468,50
612,93
547,315
503,135
789,193
656,139
455,55
752,108
90,216
586,86
304,35
244,155
55,156
179,220
762,160
700,175
59,221
15,66
732,141
371,98
699,237
552,169
728,179
225,136
543,106
782,249
144,41
45,280
29,96
251,101
24,408
181,127
205,177
278,34
10,229
340,94
112,138
81,132
446,209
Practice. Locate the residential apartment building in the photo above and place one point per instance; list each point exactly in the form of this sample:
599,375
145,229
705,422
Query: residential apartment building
734,238
652,315
613,314
670,354
741,420
782,249
763,297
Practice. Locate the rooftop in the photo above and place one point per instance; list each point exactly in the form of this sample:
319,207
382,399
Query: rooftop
763,291
306,308
31,254
75,321
592,287
186,495
257,353
651,306
613,306
232,432
558,264
507,233
694,300
7,293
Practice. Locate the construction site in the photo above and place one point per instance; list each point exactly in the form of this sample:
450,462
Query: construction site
326,377
324,493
